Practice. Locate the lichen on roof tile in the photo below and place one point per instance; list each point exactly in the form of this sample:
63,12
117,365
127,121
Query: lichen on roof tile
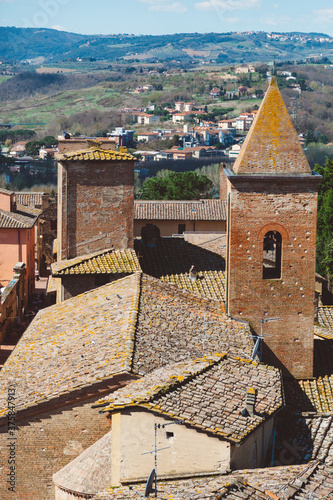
94,153
271,146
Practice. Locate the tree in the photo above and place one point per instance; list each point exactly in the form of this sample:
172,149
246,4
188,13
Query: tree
176,186
325,222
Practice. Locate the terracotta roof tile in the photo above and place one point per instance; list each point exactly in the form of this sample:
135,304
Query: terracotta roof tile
180,210
102,262
209,394
29,199
95,154
324,328
172,259
131,325
272,145
12,220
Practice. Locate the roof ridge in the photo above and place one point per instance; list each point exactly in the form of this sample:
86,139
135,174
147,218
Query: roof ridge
131,328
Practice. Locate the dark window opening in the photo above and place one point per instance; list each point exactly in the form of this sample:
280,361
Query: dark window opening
272,255
169,435
181,228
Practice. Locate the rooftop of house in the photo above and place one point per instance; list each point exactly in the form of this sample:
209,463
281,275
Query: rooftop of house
103,262
127,326
14,220
208,394
180,210
29,199
272,147
6,191
95,153
172,259
90,472
324,329
275,483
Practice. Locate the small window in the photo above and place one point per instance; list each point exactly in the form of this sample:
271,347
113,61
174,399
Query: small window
272,255
181,228
169,435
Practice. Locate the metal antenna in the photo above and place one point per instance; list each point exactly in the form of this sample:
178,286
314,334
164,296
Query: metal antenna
258,345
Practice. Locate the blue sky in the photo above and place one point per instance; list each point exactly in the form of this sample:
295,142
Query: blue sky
169,16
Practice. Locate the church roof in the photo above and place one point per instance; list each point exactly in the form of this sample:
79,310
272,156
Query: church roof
95,154
103,262
209,394
272,146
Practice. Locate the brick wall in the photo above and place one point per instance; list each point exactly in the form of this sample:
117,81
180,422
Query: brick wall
46,443
290,208
96,200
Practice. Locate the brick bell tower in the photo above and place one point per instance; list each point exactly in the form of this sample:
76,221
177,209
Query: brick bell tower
272,209
95,197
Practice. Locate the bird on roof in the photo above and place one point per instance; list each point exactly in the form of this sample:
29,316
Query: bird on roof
66,135
193,273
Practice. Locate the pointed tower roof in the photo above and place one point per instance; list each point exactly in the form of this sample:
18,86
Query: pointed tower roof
272,146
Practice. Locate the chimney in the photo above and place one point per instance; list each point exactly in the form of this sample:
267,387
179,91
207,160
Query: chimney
193,273
250,401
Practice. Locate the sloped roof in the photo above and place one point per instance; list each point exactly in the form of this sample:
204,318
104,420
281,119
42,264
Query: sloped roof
95,154
180,210
255,484
209,394
102,262
272,147
29,199
129,326
6,191
70,345
172,259
13,220
174,325
324,328
90,472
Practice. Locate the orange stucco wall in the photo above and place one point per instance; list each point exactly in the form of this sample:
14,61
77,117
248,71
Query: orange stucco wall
18,245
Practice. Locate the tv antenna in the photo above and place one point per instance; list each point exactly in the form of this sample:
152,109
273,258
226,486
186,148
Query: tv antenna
152,479
257,349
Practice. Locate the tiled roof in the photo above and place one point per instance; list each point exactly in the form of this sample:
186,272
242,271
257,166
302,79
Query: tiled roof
216,244
95,154
175,325
90,472
325,322
272,145
315,394
29,199
180,210
256,484
12,220
172,259
84,340
208,394
102,262
24,210
131,325
6,191
310,437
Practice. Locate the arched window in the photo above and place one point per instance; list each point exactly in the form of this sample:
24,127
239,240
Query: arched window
272,255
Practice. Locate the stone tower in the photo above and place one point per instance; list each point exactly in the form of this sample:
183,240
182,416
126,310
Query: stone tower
95,197
272,207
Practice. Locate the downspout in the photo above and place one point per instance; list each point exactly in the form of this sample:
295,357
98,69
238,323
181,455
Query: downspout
19,246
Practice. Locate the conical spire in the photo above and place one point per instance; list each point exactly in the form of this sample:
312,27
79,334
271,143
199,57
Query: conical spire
272,146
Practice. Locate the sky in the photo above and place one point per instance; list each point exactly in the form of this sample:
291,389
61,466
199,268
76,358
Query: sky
157,17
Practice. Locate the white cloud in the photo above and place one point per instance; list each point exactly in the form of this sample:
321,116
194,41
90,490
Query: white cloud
227,5
58,28
164,6
231,19
323,15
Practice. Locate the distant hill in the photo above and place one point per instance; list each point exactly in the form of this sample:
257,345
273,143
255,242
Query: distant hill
47,45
